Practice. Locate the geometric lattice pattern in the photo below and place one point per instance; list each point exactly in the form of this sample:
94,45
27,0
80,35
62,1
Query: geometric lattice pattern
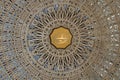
26,51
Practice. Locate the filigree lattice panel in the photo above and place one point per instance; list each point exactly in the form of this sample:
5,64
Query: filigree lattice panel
28,53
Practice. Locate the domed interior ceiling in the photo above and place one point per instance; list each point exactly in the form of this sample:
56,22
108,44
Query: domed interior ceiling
59,39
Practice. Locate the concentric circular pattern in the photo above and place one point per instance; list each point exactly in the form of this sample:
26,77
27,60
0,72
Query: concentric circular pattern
26,51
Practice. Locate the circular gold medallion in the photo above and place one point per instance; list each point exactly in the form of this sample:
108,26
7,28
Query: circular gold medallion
61,37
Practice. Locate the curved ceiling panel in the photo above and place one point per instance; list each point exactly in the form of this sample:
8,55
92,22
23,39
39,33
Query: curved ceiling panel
59,40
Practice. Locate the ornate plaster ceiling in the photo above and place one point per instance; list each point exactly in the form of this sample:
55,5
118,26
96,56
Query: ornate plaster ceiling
30,40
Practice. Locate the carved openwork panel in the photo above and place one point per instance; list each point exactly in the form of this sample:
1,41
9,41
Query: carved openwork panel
59,40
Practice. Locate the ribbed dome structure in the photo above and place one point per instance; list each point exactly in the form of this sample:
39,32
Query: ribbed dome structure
32,33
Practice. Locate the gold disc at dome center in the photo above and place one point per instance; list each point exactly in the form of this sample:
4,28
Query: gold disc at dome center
61,37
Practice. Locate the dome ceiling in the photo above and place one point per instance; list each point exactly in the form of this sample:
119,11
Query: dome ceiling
59,39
